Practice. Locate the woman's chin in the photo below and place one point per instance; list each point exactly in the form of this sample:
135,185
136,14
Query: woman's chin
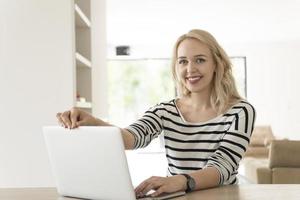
196,89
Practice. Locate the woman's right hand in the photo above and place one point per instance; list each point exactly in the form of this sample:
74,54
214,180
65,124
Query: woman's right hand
75,117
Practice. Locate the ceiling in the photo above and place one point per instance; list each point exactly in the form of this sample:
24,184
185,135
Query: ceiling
148,22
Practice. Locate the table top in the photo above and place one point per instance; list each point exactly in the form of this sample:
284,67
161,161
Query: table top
232,192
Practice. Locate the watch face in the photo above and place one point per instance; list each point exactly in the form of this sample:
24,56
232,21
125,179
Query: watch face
191,184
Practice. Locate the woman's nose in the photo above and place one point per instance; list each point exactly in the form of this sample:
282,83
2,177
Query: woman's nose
190,67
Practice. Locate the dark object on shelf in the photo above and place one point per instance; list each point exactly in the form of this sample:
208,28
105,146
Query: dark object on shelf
122,50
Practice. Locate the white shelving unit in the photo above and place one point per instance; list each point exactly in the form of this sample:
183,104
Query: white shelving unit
83,48
84,104
80,18
81,61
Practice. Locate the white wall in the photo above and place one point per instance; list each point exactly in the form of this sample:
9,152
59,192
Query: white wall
36,81
100,82
273,83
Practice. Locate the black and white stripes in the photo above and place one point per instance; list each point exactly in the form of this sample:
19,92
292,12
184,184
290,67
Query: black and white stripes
220,142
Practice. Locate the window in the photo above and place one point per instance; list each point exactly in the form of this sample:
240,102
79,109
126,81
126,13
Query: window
240,74
135,85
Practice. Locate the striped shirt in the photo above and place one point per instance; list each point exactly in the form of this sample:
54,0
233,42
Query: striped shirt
220,142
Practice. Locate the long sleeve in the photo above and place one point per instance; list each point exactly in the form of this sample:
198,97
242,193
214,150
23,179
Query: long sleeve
148,127
233,145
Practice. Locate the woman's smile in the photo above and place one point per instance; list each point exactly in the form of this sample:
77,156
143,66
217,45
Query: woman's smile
193,79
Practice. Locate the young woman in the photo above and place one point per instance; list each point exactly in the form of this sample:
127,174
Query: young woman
206,128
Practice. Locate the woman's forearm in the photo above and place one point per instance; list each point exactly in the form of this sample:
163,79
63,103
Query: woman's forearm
128,138
100,122
206,178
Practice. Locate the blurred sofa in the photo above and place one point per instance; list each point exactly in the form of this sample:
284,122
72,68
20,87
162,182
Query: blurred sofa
281,167
260,141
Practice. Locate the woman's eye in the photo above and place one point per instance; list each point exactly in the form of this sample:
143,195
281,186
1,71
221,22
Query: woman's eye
182,62
200,60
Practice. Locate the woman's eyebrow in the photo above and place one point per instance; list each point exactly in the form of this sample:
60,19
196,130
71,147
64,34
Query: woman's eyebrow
200,55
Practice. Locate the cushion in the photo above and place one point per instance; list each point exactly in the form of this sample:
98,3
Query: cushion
284,153
261,136
256,170
264,175
262,152
286,175
257,142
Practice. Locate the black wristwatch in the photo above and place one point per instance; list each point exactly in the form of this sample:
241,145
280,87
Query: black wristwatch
190,183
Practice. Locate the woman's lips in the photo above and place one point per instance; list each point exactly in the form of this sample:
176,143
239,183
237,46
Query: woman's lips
193,79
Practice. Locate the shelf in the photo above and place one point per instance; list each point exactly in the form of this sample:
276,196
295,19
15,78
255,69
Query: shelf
81,61
80,104
81,19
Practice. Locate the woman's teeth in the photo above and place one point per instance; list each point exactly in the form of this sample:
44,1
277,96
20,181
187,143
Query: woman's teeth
193,79
196,78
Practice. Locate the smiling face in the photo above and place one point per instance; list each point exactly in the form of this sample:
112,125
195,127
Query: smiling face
195,65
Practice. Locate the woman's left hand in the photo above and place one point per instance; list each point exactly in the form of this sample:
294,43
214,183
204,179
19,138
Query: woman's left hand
161,185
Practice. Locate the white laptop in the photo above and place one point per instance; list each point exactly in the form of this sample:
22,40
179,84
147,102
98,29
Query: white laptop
90,162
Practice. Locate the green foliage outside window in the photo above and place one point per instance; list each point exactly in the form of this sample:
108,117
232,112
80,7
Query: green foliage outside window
136,85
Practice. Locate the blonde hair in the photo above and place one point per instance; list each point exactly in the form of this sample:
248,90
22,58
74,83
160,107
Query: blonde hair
224,93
